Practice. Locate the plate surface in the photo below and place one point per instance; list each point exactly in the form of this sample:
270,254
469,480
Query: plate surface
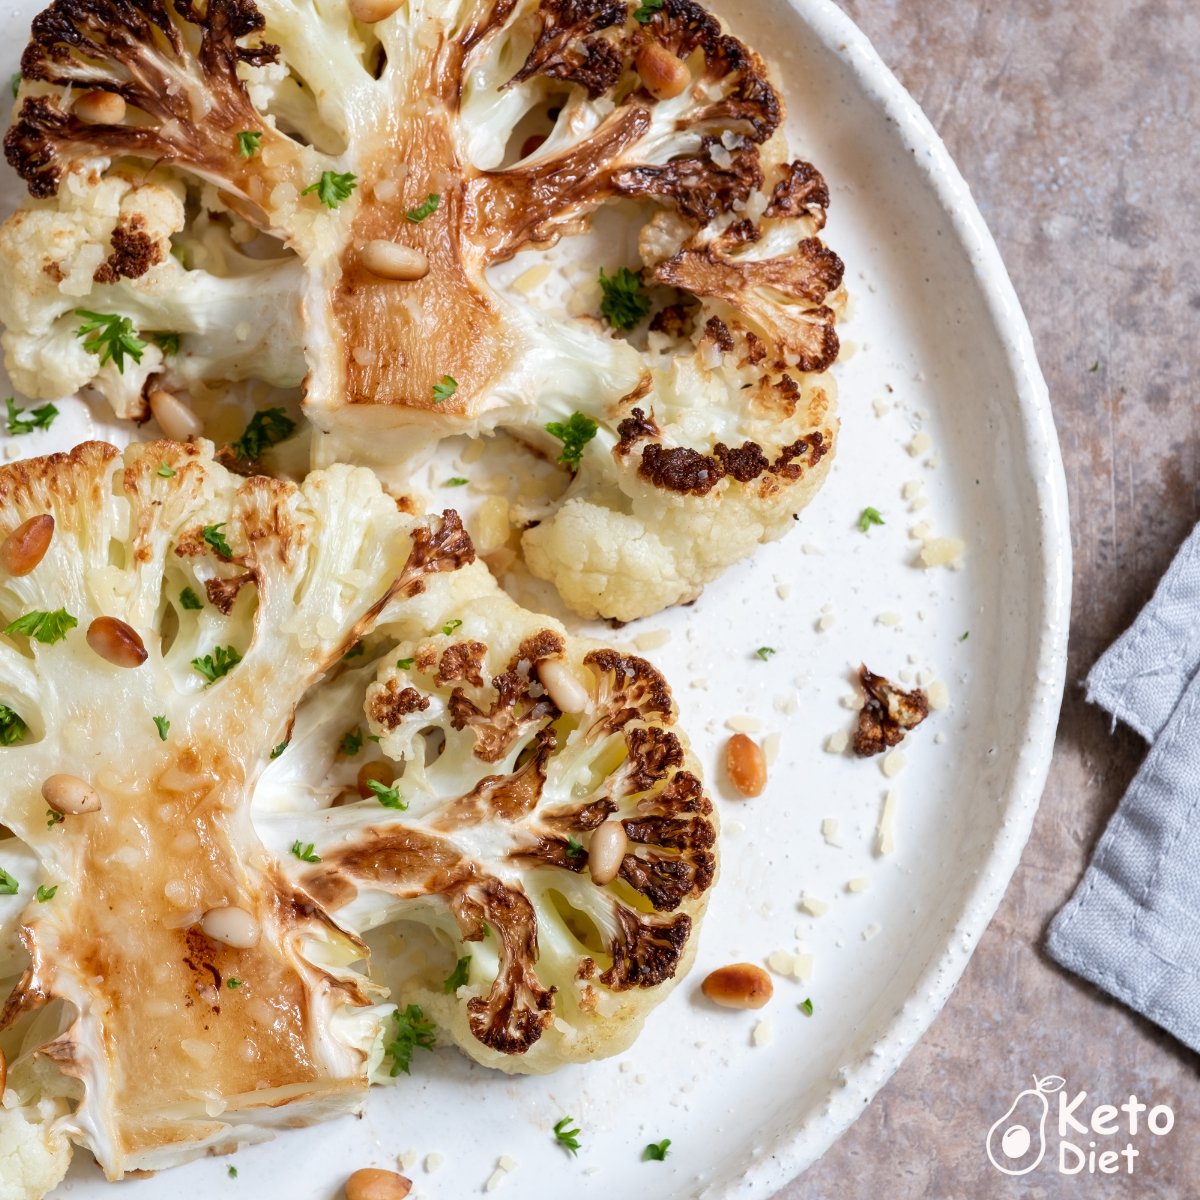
936,346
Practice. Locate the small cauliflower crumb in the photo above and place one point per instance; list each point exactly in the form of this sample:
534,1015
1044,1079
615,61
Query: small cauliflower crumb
920,443
829,831
870,931
433,1160
407,1160
811,548
837,742
937,695
885,841
920,531
764,1033
919,503
892,764
942,552
813,906
888,618
825,622
881,407
858,885
911,489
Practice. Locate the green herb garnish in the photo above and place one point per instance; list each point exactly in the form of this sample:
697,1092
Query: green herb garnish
305,853
389,797
646,10
574,848
268,427
444,388
111,336
248,142
451,626
44,627
625,301
405,664
46,893
165,472
279,749
8,885
216,539
163,726
456,481
189,599
574,433
168,343
332,188
656,1151
425,209
807,1008
412,1031
41,417
233,984
457,977
765,652
869,517
53,817
567,1137
352,743
12,728
220,662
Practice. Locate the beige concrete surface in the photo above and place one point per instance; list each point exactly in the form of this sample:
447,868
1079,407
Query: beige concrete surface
1077,125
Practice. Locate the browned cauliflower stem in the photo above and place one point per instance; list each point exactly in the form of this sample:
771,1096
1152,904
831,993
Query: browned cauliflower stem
711,437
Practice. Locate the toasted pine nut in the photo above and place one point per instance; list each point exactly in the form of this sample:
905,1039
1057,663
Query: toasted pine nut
380,771
739,985
174,417
606,851
232,925
99,108
562,686
26,546
370,11
373,1184
662,73
394,260
116,642
70,795
746,764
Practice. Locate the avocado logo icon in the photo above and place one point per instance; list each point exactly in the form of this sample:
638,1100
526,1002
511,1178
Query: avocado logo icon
1011,1146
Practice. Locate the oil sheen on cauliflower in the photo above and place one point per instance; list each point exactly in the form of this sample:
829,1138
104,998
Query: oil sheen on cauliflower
714,429
293,635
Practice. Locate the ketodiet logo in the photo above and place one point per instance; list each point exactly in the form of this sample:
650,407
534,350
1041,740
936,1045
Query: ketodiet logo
1016,1143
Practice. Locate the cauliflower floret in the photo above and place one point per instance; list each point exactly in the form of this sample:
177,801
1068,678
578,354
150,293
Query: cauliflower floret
34,1155
538,832
401,135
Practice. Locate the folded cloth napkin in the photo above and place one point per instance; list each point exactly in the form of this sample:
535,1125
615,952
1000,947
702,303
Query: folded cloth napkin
1133,925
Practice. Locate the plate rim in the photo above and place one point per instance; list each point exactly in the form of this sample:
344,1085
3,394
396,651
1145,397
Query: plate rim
786,1157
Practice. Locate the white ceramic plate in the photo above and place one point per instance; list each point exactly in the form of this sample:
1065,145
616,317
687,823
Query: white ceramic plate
938,338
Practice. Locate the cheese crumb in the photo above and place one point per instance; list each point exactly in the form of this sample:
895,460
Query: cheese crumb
783,590
764,1033
920,444
893,763
885,841
920,531
858,885
942,552
809,548
829,831
837,742
919,503
937,695
433,1161
888,618
744,724
407,1160
825,622
813,906
881,407
911,489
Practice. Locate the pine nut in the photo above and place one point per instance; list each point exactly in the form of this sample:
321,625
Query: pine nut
70,795
606,851
739,985
26,546
380,771
174,417
373,1184
662,73
100,108
371,11
116,642
394,260
746,764
231,925
562,686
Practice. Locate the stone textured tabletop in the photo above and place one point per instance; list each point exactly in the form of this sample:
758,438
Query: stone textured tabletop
1076,125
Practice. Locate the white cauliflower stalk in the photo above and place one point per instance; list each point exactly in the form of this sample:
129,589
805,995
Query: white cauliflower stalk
696,439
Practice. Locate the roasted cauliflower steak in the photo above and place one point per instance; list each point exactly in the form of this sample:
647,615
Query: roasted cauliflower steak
466,131
200,676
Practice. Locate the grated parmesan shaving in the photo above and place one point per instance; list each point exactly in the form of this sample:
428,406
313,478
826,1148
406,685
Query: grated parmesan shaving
885,842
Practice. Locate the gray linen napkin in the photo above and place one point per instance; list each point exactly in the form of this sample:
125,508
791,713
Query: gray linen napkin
1133,924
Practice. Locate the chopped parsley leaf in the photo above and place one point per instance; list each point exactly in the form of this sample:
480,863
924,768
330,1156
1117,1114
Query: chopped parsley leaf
220,662
46,893
457,977
355,651
168,343
233,984
567,1137
44,627
8,885
165,472
41,417
15,83
656,1151
332,188
279,749
444,388
574,848
305,853
1094,367
456,481
412,1031
869,517
765,652
574,433
405,664
216,539
232,1172
425,209
111,336
248,142
268,427
451,626
164,727
389,797
352,743
625,301
807,1008
644,11
53,817
12,728
965,636
189,599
